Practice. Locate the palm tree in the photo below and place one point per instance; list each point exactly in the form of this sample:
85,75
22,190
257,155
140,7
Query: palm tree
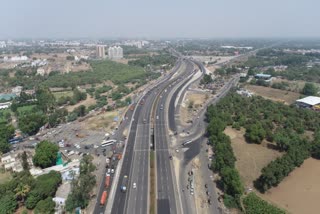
21,191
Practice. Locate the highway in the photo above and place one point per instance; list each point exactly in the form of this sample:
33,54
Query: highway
135,163
166,188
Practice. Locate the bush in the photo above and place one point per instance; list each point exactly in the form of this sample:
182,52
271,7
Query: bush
45,206
253,205
8,203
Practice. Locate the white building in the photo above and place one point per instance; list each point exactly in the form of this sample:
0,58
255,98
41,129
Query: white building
17,90
39,63
115,52
12,161
101,53
5,105
18,58
3,44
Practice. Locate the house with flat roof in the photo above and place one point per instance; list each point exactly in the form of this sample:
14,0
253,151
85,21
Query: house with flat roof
311,102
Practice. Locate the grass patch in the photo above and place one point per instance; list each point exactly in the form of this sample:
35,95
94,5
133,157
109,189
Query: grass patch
25,109
4,177
253,204
152,183
59,94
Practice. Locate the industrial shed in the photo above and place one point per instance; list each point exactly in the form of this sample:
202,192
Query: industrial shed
309,102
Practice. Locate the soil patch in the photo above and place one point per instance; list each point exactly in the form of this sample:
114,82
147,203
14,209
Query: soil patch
251,158
286,97
300,191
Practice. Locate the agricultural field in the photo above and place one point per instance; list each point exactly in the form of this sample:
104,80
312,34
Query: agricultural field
286,97
251,158
300,191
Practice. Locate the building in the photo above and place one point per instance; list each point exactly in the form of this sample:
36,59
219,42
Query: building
263,76
310,102
100,50
3,44
115,52
5,105
17,90
12,161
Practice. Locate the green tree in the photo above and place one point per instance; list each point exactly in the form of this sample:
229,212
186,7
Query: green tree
46,154
6,132
46,100
45,206
309,89
255,133
24,159
8,203
22,191
82,186
31,123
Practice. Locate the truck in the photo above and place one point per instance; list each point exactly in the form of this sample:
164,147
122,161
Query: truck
107,183
103,198
123,187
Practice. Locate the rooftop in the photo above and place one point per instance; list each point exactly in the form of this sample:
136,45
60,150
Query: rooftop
311,100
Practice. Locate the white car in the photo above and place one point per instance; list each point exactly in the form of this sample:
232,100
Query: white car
112,171
109,171
134,185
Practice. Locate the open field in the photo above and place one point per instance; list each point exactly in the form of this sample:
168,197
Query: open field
286,97
103,121
251,158
59,94
4,177
294,85
300,191
87,102
197,98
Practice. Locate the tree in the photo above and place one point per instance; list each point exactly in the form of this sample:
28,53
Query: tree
46,154
45,98
45,206
206,79
22,191
45,185
255,133
6,132
31,123
24,159
82,186
309,89
8,203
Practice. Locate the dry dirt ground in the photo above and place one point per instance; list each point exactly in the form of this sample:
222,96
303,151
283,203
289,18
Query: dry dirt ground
294,85
103,121
286,97
300,191
251,158
198,99
87,102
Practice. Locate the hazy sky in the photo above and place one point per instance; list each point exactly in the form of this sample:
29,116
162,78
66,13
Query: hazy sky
158,19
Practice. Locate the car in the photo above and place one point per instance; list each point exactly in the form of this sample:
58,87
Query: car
108,170
95,146
134,185
170,157
112,171
86,147
177,150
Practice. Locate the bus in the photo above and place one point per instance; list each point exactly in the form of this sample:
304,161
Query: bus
108,143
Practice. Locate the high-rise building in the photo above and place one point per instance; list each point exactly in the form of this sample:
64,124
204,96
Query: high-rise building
101,51
115,52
